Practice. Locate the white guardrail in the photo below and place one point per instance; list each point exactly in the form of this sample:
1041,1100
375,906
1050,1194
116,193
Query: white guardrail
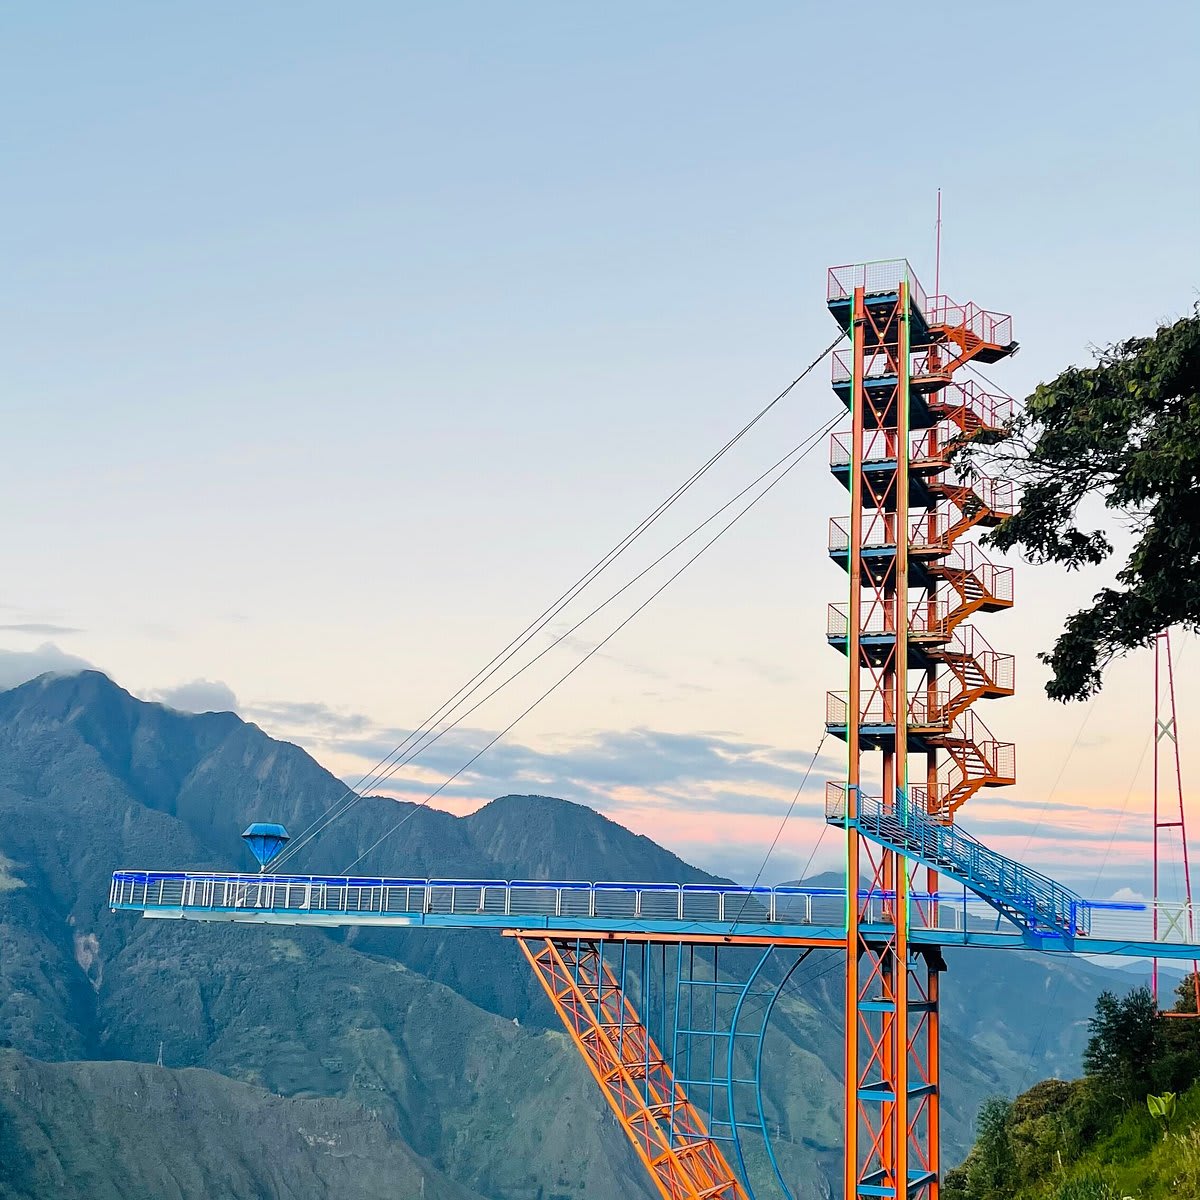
498,901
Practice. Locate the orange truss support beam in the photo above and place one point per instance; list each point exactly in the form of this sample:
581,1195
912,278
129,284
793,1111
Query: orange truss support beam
667,1131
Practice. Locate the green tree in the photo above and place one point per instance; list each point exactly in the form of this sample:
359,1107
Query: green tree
1181,1041
1124,1049
1127,432
1037,1131
991,1168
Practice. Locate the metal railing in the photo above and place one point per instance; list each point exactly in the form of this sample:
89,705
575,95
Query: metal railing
926,446
1004,880
966,559
991,327
982,494
969,645
925,709
876,279
926,618
349,900
877,364
970,739
472,898
992,411
926,531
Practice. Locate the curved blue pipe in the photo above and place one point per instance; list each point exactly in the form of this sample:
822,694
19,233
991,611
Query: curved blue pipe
762,1116
729,1071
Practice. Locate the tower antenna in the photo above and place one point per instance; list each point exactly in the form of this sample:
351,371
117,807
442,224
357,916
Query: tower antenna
937,252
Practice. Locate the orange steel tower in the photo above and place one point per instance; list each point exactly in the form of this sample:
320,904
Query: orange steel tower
916,669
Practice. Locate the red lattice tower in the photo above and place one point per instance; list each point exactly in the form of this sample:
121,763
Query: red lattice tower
1174,918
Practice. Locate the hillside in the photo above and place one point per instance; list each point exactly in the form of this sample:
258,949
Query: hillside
1096,1137
445,1036
126,1131
1134,1158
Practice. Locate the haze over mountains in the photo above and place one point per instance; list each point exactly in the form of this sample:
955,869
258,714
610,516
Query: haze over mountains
302,1062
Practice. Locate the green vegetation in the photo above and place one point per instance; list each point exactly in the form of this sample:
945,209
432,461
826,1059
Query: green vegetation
1125,432
1129,1128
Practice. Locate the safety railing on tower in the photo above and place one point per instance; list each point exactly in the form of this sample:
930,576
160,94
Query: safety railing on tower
926,619
980,500
977,583
968,406
974,759
968,648
929,449
876,279
877,365
926,709
926,532
991,327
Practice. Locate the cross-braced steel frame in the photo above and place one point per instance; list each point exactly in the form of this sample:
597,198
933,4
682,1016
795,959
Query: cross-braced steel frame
913,582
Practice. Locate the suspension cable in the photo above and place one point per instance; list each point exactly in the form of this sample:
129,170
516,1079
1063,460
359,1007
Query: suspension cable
433,735
372,778
594,650
779,832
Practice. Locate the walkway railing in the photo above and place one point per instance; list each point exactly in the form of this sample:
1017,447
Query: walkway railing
466,902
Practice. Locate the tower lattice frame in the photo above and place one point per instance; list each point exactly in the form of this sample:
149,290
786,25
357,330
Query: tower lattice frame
917,667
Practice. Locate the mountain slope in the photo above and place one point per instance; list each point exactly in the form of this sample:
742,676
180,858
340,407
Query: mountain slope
416,1025
126,1131
297,1011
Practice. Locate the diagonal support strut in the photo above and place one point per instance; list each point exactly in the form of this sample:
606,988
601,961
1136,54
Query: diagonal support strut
667,1131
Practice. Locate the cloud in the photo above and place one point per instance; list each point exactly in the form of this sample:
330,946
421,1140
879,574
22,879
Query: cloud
716,798
19,666
644,775
311,717
40,628
200,695
1126,893
993,829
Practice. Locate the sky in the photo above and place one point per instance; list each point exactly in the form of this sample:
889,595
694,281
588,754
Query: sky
340,340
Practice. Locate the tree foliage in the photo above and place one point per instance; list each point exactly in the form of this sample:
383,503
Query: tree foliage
1127,432
1125,1045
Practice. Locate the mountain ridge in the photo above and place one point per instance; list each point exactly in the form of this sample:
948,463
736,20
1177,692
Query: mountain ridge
447,1035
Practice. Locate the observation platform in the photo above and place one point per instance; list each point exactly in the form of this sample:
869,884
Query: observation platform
664,912
881,282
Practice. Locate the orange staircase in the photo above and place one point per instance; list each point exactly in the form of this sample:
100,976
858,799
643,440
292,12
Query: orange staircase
975,583
976,334
974,671
975,759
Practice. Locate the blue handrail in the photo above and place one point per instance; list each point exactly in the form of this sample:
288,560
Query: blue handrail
1015,888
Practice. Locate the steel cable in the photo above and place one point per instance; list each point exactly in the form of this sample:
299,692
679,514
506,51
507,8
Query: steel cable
372,778
434,735
796,460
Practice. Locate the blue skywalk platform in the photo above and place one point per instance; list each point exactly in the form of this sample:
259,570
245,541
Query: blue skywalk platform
639,911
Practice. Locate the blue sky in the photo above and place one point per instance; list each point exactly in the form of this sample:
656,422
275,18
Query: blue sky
338,340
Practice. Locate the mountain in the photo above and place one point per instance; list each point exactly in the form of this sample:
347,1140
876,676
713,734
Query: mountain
445,1036
126,1131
